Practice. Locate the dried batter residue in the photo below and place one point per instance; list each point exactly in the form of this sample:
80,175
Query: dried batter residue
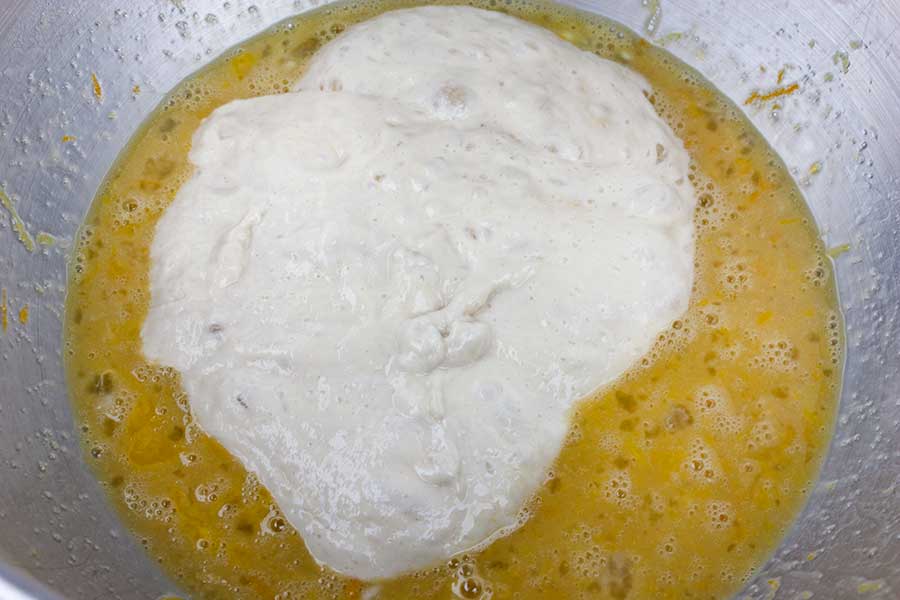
45,239
867,587
842,59
4,311
651,25
98,90
669,38
16,222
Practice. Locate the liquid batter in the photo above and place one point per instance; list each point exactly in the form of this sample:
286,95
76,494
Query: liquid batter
676,480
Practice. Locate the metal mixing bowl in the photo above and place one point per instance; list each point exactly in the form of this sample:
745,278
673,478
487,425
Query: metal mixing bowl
840,135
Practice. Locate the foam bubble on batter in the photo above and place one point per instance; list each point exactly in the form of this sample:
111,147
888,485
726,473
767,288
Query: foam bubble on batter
385,290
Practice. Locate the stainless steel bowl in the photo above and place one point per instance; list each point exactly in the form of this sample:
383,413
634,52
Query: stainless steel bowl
840,135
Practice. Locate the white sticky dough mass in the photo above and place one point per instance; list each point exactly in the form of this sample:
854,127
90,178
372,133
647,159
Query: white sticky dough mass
385,291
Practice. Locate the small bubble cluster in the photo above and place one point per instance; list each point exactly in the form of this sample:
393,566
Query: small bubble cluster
574,435
250,488
710,400
668,547
590,563
118,405
763,434
83,251
712,403
777,355
711,315
702,464
158,509
618,489
610,442
209,492
720,514
711,213
834,333
818,274
673,339
708,216
735,276
147,373
467,583
274,522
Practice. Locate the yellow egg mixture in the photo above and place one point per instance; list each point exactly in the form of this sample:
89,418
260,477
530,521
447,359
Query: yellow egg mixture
674,483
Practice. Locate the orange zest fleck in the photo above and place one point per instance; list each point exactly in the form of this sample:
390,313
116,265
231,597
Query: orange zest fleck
23,315
98,91
780,77
136,89
776,93
68,138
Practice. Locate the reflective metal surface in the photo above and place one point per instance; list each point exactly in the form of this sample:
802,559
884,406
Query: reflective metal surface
840,134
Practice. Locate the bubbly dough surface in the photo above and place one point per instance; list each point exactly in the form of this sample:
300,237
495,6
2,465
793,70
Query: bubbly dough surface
385,290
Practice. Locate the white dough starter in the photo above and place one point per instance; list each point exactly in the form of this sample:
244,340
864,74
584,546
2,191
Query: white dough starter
385,291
